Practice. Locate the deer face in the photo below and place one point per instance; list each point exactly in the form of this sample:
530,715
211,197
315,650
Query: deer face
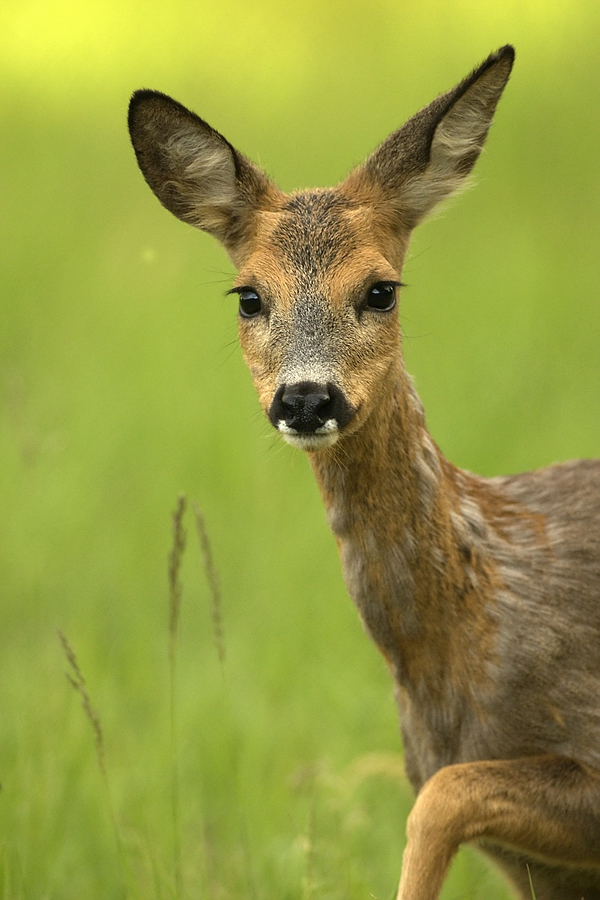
318,322
319,271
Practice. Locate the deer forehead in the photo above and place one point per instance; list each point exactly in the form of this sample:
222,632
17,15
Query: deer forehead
318,246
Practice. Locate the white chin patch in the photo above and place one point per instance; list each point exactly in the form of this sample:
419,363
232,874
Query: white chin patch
323,437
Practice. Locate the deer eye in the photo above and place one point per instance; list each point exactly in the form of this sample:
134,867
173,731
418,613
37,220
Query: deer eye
382,296
250,304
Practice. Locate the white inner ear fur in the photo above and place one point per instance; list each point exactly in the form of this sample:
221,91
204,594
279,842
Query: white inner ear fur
463,129
460,134
204,173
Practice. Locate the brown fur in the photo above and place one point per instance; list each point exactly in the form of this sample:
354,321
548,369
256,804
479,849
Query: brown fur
482,594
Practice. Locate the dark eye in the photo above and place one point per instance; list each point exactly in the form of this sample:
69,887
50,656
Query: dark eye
250,304
382,296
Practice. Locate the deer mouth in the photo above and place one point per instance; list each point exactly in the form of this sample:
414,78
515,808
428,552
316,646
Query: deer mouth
324,436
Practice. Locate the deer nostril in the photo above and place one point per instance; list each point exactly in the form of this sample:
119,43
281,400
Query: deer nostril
305,411
299,403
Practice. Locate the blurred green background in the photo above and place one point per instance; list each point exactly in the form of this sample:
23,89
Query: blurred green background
121,386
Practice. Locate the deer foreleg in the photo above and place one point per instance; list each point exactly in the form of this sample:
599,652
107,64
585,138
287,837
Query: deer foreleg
546,807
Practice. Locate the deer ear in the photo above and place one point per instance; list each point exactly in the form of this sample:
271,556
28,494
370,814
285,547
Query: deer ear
431,155
195,173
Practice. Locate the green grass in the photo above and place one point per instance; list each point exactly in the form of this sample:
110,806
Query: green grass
121,387
210,848
341,828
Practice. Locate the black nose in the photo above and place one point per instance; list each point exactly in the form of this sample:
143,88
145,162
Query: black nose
307,406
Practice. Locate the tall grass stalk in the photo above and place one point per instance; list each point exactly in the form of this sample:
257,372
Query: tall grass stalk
212,577
175,593
75,677
213,583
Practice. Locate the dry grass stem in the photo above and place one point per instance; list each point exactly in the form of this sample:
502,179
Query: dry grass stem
175,557
213,583
75,677
175,593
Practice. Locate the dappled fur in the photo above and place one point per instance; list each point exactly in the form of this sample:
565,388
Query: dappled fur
482,594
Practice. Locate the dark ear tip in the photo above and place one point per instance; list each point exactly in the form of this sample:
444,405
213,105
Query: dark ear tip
153,99
503,59
146,94
507,52
138,99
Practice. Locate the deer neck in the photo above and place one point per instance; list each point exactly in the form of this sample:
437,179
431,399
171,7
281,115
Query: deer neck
411,557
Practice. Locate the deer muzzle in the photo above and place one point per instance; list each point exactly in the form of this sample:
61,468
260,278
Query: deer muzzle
308,415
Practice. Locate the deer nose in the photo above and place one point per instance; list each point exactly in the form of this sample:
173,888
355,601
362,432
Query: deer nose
306,406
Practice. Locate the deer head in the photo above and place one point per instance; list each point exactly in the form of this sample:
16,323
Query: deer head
319,271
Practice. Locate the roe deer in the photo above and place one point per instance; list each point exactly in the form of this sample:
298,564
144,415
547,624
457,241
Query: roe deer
482,594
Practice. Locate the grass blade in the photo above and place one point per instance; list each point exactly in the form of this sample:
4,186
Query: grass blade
175,594
213,583
76,679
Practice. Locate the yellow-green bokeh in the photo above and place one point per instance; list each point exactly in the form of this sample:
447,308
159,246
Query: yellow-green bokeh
121,386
